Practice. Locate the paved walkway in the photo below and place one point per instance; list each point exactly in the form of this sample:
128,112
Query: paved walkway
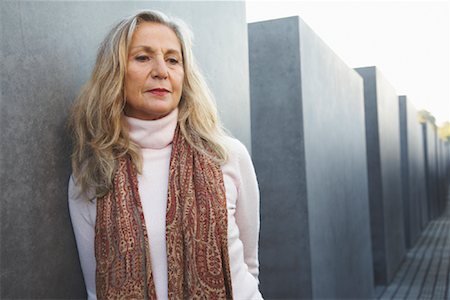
425,272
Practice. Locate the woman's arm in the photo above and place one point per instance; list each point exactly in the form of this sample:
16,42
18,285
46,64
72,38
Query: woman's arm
247,211
82,214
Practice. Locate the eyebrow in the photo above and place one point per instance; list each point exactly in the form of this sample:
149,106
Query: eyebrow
151,50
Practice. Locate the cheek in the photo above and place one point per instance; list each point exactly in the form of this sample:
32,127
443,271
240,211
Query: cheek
180,80
132,82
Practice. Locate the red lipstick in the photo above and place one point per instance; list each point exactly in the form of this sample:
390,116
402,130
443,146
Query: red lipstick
159,91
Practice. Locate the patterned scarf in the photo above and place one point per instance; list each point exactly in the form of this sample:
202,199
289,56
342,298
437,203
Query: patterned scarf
196,232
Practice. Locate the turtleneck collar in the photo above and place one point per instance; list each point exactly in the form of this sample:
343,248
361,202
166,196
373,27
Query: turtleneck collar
153,134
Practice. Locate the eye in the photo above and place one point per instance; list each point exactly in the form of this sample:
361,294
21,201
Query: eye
172,61
142,58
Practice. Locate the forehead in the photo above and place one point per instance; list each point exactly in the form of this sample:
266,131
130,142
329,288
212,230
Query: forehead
155,35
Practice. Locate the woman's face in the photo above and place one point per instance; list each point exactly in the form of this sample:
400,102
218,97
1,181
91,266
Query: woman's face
155,72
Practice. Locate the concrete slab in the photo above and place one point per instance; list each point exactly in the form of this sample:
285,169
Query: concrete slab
431,167
310,157
443,183
384,173
413,172
47,52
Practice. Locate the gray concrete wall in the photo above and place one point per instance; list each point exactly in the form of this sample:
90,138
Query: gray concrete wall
384,173
447,162
440,176
413,171
310,157
430,152
444,179
47,52
421,179
442,171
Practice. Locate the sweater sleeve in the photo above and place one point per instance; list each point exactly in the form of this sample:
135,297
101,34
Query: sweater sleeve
247,210
82,214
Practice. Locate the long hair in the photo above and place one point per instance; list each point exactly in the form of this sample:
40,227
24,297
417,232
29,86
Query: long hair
97,121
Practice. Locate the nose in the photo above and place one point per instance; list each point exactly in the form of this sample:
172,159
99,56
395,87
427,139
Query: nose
159,69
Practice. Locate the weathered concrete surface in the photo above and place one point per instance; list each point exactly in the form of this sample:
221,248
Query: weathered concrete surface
447,162
384,173
310,157
422,177
440,177
431,167
413,172
443,179
47,52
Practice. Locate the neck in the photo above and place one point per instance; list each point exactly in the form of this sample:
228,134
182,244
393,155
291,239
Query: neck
153,134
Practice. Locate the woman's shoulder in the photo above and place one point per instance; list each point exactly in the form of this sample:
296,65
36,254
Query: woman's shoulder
76,194
239,158
82,205
239,167
236,149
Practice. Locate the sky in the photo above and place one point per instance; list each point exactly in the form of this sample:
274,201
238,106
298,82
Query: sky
409,41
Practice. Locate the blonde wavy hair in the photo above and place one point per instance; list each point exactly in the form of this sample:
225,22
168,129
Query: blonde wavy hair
96,119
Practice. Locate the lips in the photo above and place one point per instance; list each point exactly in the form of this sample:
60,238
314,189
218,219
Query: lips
158,91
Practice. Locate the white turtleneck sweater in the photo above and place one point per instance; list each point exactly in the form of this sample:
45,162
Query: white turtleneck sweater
155,139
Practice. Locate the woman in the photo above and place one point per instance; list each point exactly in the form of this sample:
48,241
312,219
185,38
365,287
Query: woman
163,203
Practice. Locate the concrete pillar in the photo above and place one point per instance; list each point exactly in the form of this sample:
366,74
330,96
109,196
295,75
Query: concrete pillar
413,172
47,51
384,173
310,157
430,152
